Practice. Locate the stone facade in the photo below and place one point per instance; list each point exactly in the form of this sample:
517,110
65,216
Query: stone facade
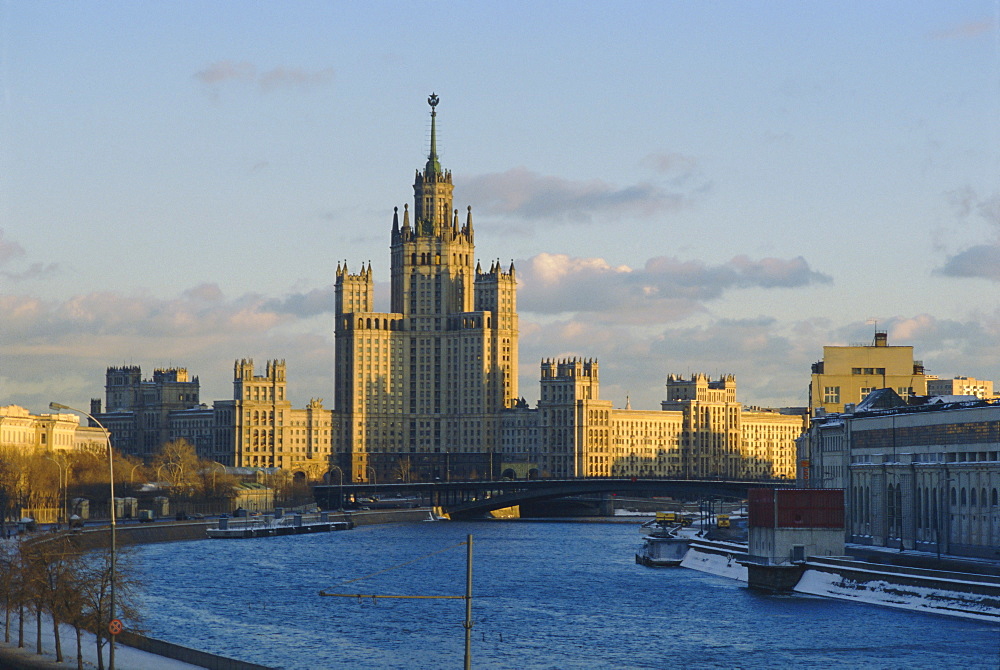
23,431
701,431
431,376
922,477
138,411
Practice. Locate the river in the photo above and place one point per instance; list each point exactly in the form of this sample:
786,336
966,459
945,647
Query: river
546,596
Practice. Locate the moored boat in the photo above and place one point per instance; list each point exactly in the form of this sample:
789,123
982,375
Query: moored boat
268,526
665,546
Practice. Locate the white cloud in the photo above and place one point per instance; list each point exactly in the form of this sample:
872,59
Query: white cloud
664,289
521,193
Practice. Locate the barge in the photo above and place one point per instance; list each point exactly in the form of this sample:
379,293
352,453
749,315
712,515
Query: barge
268,526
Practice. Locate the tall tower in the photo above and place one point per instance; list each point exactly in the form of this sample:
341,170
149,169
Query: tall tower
431,376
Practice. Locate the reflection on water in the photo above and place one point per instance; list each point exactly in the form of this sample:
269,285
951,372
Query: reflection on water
546,595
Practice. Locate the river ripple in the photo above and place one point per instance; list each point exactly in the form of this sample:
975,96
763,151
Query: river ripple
546,596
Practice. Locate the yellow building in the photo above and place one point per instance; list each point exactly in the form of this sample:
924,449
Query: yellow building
701,431
961,386
846,375
425,382
264,431
23,431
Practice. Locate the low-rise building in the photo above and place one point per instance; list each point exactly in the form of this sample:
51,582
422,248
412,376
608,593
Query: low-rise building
23,431
922,477
981,388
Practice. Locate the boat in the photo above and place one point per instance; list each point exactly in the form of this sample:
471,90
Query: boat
269,526
665,546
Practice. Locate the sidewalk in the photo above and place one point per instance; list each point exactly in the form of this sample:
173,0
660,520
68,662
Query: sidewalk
126,658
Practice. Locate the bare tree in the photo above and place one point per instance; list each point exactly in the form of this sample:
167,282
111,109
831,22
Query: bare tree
95,582
178,463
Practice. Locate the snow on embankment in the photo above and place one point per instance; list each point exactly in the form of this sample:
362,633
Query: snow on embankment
955,594
716,558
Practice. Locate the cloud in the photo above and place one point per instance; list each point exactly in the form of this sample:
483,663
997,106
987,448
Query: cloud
74,340
980,261
225,70
222,72
665,289
9,249
522,193
967,30
312,303
770,358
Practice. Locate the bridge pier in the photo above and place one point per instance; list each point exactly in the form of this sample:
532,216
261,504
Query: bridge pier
607,504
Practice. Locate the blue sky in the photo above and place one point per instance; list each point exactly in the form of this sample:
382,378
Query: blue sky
684,187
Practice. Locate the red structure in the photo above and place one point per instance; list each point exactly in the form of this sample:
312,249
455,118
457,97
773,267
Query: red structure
796,508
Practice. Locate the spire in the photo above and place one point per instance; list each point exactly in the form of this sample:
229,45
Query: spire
433,166
395,220
468,222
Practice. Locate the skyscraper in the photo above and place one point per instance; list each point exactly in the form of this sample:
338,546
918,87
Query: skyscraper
421,386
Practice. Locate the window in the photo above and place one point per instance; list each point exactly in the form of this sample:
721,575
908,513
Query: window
865,390
831,394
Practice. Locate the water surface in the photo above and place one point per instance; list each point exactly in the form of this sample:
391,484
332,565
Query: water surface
546,596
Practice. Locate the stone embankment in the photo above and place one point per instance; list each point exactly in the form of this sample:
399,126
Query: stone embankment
177,531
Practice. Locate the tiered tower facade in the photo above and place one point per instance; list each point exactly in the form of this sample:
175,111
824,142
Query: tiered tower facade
431,376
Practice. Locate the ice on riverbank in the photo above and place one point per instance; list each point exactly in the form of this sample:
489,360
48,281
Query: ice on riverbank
885,589
125,657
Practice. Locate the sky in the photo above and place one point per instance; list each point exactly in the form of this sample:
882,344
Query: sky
683,188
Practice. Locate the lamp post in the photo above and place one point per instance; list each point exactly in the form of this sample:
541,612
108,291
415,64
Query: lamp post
214,471
114,525
158,469
341,473
64,484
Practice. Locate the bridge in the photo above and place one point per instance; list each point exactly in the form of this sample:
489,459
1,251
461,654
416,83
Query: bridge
475,499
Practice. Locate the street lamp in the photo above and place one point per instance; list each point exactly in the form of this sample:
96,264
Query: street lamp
158,469
214,472
64,483
341,473
114,525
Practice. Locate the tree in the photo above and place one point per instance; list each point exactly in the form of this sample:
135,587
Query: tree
178,464
95,581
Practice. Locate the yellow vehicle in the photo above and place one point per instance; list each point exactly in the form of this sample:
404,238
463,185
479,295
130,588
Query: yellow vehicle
666,517
722,521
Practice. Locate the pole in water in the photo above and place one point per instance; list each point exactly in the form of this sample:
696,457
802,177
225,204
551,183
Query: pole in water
468,603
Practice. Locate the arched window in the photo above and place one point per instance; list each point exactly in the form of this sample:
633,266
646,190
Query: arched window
972,496
963,498
953,501
982,497
993,498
